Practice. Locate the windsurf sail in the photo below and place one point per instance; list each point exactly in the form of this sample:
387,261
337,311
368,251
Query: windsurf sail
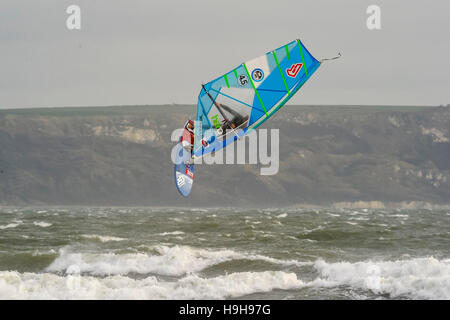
244,98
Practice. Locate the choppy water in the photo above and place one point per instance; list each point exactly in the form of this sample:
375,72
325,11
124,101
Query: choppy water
154,253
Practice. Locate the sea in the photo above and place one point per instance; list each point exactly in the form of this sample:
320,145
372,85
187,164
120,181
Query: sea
217,253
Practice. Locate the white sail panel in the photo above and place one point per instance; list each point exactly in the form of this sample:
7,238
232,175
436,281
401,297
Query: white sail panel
258,69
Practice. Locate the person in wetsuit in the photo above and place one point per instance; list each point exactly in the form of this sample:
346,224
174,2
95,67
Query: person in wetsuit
234,123
237,120
187,138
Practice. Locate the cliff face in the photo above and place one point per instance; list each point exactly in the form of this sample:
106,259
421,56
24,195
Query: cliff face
121,156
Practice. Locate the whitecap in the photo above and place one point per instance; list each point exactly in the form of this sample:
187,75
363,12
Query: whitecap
15,285
102,238
10,225
170,233
42,224
333,214
399,215
14,224
419,278
171,261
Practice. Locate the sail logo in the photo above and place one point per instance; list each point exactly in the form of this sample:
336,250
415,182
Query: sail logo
294,69
257,75
189,173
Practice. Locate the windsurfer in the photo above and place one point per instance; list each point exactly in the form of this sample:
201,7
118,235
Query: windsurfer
237,121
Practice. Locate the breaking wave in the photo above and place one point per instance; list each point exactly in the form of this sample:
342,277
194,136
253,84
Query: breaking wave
174,233
84,275
42,224
169,261
14,224
102,238
15,285
420,278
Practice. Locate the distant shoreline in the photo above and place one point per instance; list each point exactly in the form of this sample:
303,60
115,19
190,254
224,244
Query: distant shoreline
369,205
340,156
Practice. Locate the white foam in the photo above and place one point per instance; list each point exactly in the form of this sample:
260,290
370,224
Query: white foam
15,223
15,285
102,238
420,278
283,215
359,218
170,233
308,231
10,225
37,253
173,261
333,214
42,224
399,215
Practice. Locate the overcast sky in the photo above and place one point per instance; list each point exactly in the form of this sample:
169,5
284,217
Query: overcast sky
159,52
